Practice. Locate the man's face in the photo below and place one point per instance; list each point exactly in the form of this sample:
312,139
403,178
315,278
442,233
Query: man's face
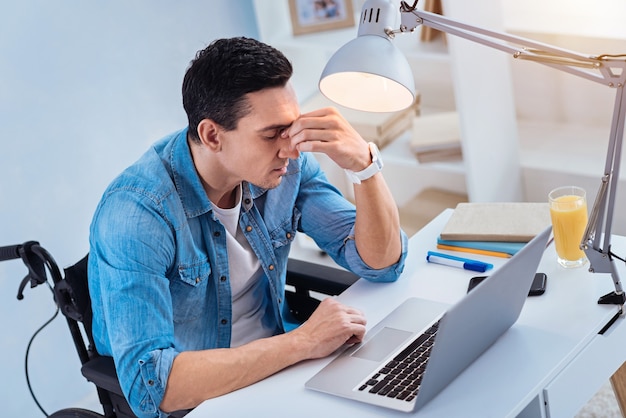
255,151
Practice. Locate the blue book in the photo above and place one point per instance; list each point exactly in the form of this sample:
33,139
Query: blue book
501,247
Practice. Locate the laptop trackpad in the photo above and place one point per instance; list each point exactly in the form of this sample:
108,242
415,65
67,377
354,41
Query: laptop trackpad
383,343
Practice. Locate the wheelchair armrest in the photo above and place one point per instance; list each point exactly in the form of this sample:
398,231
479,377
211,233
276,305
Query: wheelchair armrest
101,371
306,276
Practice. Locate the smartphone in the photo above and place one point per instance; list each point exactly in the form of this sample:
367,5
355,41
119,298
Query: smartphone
537,288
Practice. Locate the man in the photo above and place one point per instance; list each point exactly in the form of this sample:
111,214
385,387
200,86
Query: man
189,245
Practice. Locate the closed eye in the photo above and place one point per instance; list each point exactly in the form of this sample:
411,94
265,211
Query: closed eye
275,135
273,132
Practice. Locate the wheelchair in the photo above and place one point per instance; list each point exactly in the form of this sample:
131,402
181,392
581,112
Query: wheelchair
71,294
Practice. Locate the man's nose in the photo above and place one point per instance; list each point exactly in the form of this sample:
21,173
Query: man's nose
286,151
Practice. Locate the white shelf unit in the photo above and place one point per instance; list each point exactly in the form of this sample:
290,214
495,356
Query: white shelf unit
525,127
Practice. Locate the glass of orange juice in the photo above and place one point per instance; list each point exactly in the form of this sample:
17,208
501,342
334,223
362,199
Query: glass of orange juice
568,210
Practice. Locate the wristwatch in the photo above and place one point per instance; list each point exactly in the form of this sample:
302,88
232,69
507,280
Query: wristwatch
370,170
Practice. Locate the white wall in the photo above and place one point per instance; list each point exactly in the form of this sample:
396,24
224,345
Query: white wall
85,88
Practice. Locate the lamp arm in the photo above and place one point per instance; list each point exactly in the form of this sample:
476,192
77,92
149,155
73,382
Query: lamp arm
604,69
609,70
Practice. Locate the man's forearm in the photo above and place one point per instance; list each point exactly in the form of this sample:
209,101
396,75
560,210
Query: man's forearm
200,375
377,228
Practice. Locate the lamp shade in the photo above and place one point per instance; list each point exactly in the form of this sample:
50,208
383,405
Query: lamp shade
369,73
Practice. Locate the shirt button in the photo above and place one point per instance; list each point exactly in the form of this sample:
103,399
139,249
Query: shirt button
216,234
224,321
248,228
223,278
247,201
288,235
271,267
197,280
150,382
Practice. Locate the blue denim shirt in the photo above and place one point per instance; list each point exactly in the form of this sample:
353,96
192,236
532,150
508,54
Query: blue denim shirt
158,267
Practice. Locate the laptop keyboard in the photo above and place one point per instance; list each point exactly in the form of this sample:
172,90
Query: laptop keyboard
401,377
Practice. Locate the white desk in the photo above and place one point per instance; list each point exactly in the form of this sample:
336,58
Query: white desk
549,364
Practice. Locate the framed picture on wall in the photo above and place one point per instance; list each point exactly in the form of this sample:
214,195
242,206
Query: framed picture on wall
308,16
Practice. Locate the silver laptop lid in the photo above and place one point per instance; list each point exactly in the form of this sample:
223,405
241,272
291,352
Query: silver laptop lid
473,324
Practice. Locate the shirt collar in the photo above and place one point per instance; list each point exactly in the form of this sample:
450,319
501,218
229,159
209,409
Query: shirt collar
186,179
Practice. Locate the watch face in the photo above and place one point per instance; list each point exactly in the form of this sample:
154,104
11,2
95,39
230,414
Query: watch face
376,157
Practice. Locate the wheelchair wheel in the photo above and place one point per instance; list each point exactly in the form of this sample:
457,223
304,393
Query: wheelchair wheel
76,413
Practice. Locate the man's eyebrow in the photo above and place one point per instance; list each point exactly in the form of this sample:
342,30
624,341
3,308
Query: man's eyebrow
274,127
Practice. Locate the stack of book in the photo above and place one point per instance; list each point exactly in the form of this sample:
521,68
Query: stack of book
378,127
437,137
496,229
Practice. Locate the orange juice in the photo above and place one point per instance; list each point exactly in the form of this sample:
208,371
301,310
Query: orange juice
569,219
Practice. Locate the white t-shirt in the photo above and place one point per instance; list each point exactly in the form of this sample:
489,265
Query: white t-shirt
247,282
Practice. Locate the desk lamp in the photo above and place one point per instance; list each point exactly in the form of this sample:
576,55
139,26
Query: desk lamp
369,73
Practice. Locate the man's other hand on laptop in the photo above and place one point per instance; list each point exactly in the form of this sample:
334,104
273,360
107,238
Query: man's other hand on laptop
329,327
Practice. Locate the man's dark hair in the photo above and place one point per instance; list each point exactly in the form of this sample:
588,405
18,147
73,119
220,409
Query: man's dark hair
220,76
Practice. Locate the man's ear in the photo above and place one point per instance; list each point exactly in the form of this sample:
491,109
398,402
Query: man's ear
208,132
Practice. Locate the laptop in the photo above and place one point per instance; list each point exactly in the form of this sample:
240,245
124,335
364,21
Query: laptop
421,346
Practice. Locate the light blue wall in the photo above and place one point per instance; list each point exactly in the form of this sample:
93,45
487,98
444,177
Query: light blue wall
85,87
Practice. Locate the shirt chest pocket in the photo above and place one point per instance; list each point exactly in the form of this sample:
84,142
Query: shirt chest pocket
190,291
285,233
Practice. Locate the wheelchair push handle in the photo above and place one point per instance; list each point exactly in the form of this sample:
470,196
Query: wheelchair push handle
10,252
36,259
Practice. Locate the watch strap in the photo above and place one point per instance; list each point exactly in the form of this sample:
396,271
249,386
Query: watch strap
370,170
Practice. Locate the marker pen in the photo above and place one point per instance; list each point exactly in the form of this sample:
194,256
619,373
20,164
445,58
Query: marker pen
459,262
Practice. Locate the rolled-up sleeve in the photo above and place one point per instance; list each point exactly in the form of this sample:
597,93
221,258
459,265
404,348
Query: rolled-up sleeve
147,391
358,266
